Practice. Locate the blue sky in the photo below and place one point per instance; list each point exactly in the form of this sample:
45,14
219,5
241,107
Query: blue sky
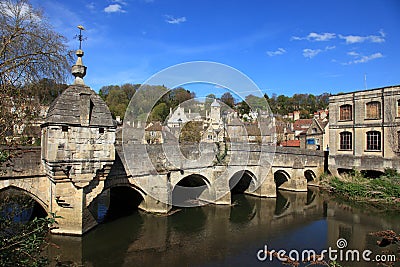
285,47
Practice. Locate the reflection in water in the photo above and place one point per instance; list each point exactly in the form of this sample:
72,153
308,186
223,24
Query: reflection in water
188,220
243,209
282,203
225,235
311,194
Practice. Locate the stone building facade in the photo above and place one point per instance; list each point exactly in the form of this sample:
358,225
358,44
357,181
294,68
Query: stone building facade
365,130
78,152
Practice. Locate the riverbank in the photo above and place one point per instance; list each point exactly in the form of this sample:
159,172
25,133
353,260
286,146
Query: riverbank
382,193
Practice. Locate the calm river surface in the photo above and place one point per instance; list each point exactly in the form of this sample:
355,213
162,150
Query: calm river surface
227,235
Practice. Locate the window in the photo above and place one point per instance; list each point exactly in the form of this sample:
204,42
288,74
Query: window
345,113
345,141
64,128
373,140
101,130
311,141
314,130
373,110
398,108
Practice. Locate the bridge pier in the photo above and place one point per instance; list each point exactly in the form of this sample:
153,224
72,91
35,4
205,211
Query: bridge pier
297,182
69,203
267,188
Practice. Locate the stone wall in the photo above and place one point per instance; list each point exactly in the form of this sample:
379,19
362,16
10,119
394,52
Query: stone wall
23,162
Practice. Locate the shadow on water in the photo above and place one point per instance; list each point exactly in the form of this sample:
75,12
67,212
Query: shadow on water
282,203
243,209
188,220
311,195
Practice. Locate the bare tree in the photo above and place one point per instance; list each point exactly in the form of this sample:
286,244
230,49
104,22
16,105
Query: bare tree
30,50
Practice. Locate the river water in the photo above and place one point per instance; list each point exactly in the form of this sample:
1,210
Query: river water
228,235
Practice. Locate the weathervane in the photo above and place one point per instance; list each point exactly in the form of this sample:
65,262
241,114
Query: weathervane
79,70
80,36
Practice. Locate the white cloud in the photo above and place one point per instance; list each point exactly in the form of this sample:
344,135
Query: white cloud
172,20
278,52
361,58
352,39
310,53
318,37
114,8
91,6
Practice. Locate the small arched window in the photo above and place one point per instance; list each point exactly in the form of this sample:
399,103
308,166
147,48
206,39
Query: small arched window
345,113
374,140
346,141
373,110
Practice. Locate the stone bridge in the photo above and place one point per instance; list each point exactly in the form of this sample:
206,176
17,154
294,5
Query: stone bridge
81,156
292,169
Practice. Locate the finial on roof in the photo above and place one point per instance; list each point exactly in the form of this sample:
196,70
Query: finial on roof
79,70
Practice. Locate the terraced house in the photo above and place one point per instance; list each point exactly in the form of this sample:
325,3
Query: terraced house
364,129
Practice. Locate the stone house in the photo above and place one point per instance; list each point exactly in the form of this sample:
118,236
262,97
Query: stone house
153,133
301,126
317,135
364,130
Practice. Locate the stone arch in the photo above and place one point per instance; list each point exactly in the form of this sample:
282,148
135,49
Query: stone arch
38,200
115,201
241,181
189,189
372,173
26,190
281,177
310,175
123,183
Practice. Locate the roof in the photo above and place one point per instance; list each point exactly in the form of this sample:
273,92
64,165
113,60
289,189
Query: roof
302,124
156,126
235,122
252,130
360,91
291,143
66,108
215,103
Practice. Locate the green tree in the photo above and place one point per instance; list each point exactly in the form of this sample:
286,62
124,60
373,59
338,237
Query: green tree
117,102
243,108
21,243
130,89
191,132
256,102
228,99
159,112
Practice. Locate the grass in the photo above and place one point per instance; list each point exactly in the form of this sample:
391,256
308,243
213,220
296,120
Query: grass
354,186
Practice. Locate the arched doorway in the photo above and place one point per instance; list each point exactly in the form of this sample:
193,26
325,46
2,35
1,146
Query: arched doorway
187,192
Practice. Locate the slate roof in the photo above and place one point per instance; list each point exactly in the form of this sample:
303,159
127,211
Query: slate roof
65,109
